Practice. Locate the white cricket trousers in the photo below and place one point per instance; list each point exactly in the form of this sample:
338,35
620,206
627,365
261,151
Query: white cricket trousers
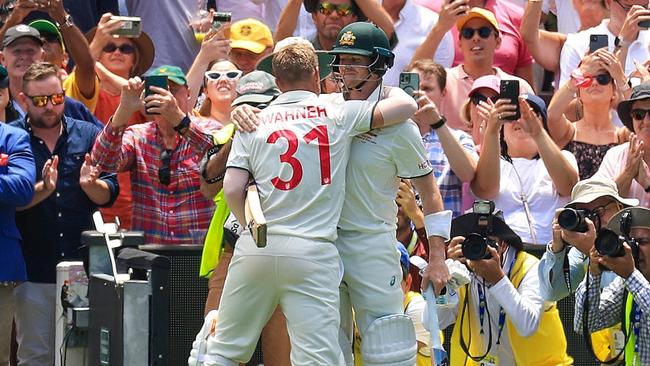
302,276
372,279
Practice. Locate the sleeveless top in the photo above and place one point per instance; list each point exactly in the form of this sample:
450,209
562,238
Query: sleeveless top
588,156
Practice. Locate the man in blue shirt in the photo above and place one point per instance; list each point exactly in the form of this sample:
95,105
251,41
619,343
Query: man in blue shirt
17,176
68,190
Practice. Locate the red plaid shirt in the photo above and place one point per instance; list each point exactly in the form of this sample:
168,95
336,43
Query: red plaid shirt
168,214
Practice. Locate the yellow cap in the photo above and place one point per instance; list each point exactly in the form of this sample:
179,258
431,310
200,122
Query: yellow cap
250,34
478,13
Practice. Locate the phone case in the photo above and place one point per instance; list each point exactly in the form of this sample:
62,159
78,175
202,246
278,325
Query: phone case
409,82
509,89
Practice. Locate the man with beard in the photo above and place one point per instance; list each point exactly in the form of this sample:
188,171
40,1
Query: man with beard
68,190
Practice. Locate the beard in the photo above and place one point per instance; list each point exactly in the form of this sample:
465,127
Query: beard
46,120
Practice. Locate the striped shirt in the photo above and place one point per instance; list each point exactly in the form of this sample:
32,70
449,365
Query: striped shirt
451,187
168,214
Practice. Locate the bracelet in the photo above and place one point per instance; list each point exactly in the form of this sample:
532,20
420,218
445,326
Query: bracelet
438,224
439,124
183,126
204,165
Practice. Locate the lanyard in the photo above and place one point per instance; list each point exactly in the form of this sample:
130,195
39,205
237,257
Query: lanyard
482,304
636,326
565,267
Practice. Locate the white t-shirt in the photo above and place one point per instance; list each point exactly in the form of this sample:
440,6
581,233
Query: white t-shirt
378,159
298,157
613,164
577,46
414,24
568,20
537,186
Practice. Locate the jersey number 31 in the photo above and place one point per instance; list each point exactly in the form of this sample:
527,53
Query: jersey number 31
318,133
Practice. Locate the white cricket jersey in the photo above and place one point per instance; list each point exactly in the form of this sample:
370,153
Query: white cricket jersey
378,159
298,157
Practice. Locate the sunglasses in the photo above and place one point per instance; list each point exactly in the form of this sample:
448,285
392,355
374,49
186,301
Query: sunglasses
483,32
164,172
41,100
603,79
342,9
477,98
217,75
125,49
639,114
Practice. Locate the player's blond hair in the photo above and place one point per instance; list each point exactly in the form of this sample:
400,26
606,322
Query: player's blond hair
295,63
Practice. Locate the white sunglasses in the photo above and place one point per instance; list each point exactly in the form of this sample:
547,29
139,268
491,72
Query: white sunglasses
217,75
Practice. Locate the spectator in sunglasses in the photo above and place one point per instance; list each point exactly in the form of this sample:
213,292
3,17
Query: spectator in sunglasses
479,37
510,55
219,88
69,188
628,163
596,83
162,157
330,16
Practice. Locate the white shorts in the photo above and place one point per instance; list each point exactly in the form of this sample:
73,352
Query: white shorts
299,274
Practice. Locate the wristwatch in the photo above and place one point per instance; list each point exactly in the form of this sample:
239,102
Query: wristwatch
182,127
438,124
619,42
68,22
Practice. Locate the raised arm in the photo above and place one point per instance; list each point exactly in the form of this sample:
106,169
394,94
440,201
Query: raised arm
447,19
376,14
544,46
215,46
288,20
559,127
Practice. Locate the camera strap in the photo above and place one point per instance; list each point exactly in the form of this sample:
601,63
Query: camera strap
585,325
524,200
565,267
464,345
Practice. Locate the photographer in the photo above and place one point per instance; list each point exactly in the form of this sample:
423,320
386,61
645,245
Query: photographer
504,287
599,200
628,296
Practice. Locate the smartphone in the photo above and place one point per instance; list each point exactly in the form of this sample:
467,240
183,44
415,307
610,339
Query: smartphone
509,89
220,18
131,27
154,80
598,41
409,82
644,24
458,1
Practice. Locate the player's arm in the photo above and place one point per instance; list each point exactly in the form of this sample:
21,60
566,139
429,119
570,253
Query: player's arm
396,108
234,190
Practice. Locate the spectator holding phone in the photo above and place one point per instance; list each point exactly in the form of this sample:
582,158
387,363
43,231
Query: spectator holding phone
596,83
534,176
162,157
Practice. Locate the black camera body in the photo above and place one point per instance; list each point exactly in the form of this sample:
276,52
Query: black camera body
573,220
475,246
609,243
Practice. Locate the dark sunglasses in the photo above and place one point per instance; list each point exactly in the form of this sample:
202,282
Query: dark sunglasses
477,98
125,49
639,114
483,32
216,75
164,172
603,79
41,100
342,9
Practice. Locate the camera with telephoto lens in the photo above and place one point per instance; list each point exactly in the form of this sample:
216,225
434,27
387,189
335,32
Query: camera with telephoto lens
573,220
610,244
475,246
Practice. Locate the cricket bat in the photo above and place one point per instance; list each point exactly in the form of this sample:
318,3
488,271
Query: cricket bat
438,354
255,217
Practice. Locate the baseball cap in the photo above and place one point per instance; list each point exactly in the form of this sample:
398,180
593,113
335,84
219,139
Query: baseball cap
19,31
324,58
639,92
4,78
173,73
45,26
478,13
250,34
487,81
640,219
256,87
588,190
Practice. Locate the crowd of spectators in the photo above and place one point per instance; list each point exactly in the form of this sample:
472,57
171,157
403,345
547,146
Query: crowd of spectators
79,133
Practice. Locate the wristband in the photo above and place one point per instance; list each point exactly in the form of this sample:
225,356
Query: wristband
183,126
438,224
439,124
204,165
